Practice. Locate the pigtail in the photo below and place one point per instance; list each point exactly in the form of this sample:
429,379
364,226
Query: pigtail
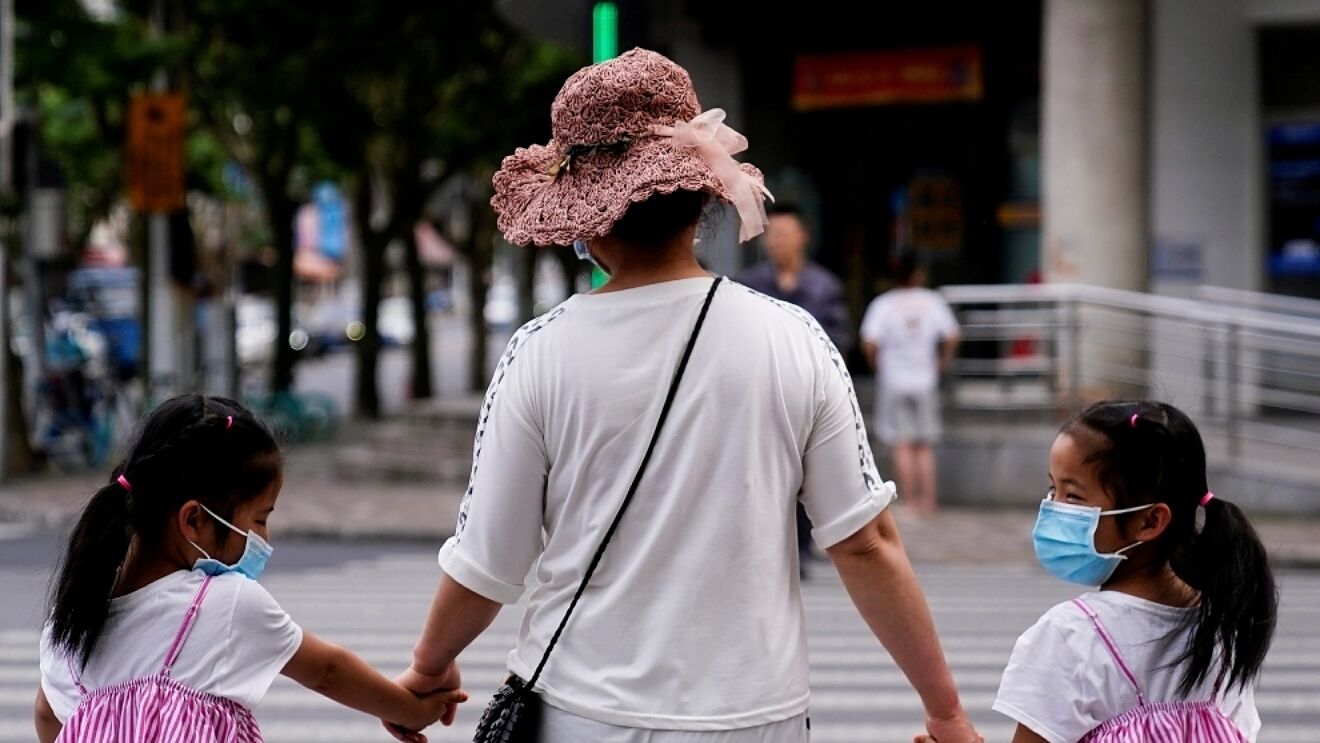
97,548
1227,563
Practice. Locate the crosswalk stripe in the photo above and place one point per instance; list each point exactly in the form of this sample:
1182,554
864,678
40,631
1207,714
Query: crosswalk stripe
375,607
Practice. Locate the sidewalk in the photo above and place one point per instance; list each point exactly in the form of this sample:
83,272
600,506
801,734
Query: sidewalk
315,503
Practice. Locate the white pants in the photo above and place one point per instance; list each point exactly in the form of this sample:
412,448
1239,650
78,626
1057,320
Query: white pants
558,726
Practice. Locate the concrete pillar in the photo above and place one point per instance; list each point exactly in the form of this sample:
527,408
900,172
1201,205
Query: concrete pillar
1093,132
1205,144
1206,208
1093,182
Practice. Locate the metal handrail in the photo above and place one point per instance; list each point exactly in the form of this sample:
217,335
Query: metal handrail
1151,304
1248,360
1223,295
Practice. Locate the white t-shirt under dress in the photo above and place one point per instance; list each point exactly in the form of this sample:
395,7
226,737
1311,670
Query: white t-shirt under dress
1062,682
239,642
694,620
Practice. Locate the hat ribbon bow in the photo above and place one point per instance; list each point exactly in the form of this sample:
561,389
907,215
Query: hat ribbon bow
716,143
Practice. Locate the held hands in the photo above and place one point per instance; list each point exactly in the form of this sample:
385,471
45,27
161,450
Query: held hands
438,696
957,729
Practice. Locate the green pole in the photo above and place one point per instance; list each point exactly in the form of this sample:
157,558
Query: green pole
604,45
604,31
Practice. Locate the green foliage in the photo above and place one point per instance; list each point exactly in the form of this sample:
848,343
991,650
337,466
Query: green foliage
75,73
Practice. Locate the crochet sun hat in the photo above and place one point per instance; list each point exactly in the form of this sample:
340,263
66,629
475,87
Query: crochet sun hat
622,131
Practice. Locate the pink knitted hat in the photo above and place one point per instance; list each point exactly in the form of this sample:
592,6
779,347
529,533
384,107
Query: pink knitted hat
622,130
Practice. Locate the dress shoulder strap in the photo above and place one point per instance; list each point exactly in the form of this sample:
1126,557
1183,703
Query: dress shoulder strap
77,677
185,627
1112,646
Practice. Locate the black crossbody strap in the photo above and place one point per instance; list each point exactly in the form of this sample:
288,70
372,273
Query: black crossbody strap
632,489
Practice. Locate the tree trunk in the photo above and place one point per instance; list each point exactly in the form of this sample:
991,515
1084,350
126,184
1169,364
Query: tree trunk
421,344
281,210
480,253
19,455
373,273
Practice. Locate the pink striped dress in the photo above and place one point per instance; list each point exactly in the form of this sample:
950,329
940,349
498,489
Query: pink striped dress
158,709
1160,722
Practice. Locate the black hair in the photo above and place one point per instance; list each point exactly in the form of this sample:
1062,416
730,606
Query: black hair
186,449
661,218
904,266
787,209
1158,457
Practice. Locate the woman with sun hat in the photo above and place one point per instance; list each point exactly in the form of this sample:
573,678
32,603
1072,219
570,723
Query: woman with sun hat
642,447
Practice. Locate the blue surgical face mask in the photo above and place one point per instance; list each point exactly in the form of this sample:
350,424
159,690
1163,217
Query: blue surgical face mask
256,553
1064,538
584,254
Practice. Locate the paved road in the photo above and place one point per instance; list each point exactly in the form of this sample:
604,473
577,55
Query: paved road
371,596
334,373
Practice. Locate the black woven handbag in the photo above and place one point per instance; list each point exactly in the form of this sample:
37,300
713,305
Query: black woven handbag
514,715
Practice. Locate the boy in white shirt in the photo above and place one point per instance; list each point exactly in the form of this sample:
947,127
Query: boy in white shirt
909,335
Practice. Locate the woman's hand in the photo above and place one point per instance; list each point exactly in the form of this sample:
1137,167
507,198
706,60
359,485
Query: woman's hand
426,686
957,729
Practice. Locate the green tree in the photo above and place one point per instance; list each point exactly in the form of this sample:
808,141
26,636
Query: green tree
257,73
469,89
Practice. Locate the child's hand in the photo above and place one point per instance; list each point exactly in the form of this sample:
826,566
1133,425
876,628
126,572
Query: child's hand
430,708
424,685
956,729
420,683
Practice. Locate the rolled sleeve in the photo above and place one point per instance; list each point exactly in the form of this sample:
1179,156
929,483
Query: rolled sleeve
471,576
848,524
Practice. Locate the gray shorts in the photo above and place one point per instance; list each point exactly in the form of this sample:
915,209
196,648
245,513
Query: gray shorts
908,417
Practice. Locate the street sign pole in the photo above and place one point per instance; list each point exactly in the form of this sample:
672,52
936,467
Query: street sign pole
162,304
604,46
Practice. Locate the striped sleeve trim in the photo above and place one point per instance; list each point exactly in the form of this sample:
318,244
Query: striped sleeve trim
511,353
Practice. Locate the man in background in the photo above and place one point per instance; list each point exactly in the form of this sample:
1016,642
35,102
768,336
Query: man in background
787,275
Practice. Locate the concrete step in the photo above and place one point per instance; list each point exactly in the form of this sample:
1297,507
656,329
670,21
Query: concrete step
453,413
409,436
367,463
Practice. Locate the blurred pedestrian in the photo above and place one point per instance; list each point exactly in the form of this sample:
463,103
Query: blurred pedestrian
909,336
1171,645
787,275
159,629
686,609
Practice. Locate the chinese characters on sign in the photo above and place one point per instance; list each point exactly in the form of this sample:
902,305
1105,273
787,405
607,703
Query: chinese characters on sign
933,75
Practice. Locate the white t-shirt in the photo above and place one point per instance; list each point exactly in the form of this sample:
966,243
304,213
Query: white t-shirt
694,619
1062,682
240,641
908,325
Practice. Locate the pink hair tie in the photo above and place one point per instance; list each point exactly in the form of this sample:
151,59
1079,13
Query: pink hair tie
1206,498
1133,420
229,422
123,483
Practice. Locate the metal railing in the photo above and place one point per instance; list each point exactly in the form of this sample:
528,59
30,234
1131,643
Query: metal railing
1246,371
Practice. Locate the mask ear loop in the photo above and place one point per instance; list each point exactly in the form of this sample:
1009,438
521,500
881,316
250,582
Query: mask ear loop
199,549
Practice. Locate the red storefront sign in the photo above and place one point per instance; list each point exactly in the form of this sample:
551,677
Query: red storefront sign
876,78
